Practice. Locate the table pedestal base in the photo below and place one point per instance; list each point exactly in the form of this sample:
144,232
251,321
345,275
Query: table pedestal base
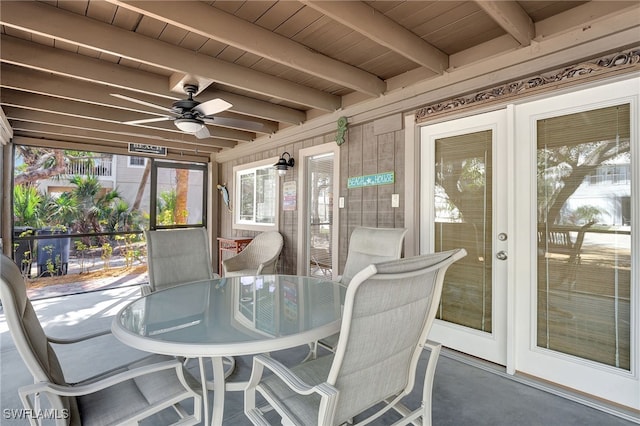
218,385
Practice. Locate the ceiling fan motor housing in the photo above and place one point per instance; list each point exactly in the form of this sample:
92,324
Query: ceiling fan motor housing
184,106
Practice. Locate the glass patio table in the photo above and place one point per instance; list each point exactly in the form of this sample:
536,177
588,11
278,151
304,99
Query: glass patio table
229,317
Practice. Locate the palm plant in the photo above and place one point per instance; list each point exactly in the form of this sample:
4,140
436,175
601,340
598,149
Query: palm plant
59,210
118,217
166,207
92,205
27,214
27,203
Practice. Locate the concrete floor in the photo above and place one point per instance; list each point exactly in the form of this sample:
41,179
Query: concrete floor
465,392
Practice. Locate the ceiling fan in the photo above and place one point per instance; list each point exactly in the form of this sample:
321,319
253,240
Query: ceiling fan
188,115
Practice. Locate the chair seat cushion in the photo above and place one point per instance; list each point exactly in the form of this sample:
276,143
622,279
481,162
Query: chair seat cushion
128,399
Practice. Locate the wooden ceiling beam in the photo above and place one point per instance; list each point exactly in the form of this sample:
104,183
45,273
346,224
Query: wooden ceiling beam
372,24
80,144
40,117
207,21
102,113
232,126
88,111
512,18
56,61
49,21
34,81
33,128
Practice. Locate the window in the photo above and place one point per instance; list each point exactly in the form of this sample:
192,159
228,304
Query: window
137,161
256,196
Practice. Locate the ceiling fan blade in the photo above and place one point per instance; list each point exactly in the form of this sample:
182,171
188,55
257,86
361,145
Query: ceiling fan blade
203,133
148,120
141,102
235,123
211,107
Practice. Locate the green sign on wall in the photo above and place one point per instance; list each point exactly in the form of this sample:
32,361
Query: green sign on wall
371,180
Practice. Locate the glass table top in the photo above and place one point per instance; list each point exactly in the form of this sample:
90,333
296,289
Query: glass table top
232,316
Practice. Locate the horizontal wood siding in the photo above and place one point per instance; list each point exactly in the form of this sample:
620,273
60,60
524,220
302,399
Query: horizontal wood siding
362,153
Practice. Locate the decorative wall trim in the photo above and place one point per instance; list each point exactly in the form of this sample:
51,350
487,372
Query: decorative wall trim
615,63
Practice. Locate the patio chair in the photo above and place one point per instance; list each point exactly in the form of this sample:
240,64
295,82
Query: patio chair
259,257
559,241
555,240
367,246
373,362
371,245
123,395
177,256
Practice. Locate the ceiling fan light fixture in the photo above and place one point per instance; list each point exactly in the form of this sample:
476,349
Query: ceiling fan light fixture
189,125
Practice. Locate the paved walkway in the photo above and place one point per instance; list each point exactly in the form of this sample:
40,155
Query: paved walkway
56,290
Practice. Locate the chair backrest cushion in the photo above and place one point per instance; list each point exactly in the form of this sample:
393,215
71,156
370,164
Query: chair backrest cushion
27,333
178,256
371,245
389,310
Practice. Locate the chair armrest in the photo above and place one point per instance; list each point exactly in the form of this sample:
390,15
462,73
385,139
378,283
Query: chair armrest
326,391
268,264
66,341
97,385
289,377
233,263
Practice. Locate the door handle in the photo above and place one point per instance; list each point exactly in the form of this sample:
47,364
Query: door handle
501,255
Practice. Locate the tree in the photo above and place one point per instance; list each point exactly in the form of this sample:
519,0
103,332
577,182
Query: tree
143,184
39,163
94,206
181,213
561,170
465,183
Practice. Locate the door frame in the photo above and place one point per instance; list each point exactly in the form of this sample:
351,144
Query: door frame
303,216
156,165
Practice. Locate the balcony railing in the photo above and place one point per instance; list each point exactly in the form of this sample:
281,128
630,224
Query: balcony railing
100,167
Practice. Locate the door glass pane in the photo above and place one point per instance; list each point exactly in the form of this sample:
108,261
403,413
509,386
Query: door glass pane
463,199
584,235
180,195
320,208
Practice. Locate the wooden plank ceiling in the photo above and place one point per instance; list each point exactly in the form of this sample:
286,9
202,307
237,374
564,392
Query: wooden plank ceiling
278,63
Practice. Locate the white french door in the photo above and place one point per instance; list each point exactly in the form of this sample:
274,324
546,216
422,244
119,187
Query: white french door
576,200
464,183
544,196
318,169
